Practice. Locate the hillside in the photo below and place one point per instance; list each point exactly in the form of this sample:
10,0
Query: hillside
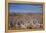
25,17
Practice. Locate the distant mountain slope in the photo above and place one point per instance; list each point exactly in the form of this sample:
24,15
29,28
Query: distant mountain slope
13,14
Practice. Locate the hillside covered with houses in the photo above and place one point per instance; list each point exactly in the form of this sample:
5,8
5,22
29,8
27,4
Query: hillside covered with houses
25,21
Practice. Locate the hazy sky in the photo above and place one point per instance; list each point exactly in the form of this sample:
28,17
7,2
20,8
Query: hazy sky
25,8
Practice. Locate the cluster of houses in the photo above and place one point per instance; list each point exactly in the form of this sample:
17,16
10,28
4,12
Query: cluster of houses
24,22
